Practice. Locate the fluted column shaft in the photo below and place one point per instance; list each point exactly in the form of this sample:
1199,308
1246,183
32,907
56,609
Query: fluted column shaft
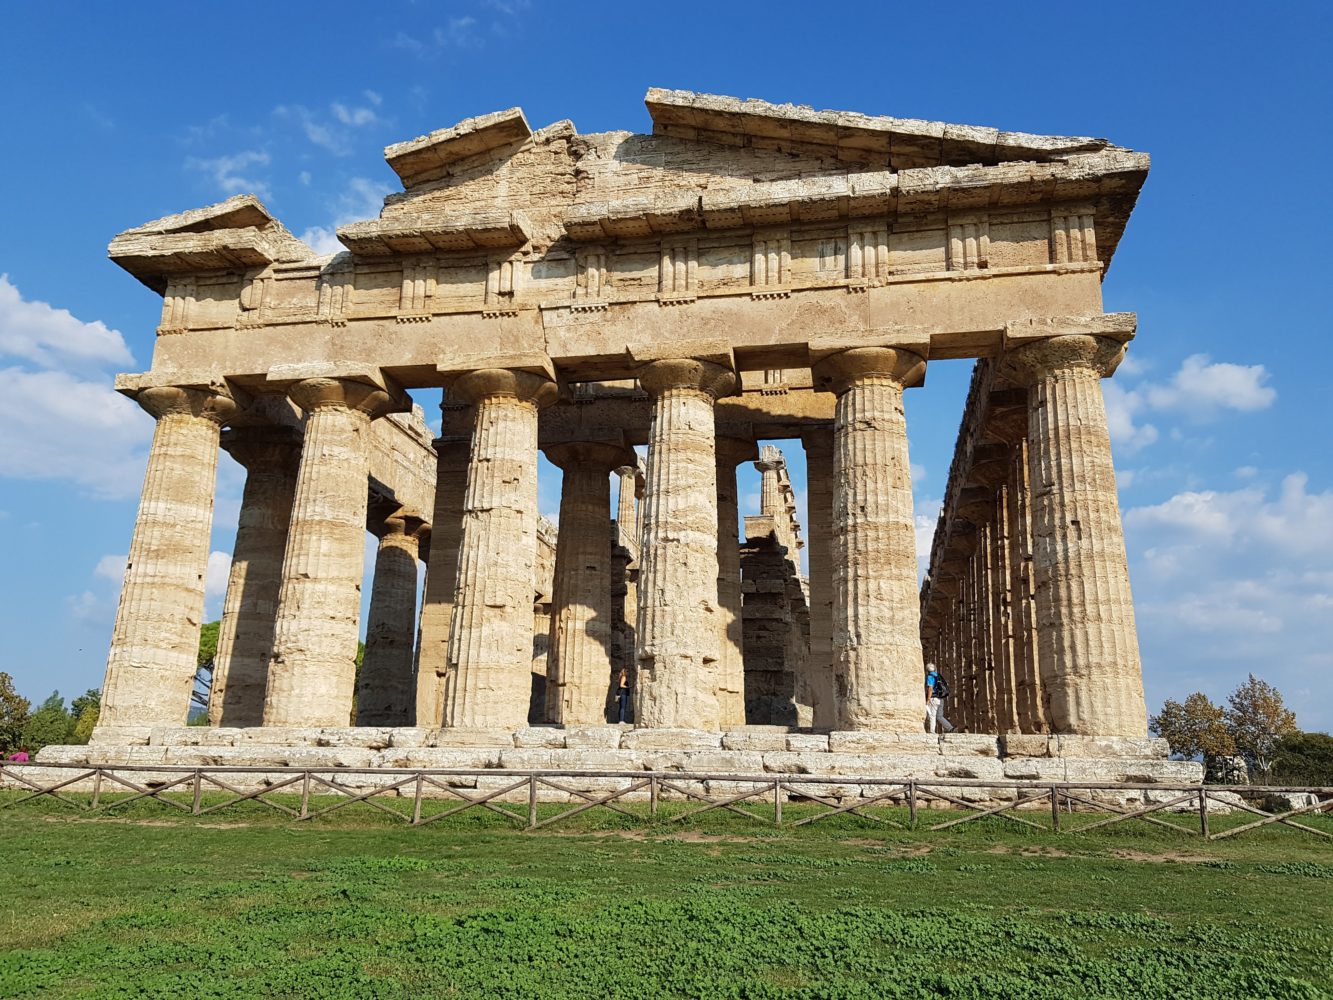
1085,614
313,670
626,515
437,602
490,638
579,672
876,611
384,691
819,498
154,648
678,636
731,625
271,456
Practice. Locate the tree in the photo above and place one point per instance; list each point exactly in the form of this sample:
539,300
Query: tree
203,677
1304,759
48,725
84,724
1258,719
13,715
92,698
1194,728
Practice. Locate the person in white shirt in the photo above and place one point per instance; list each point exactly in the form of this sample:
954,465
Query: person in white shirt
935,689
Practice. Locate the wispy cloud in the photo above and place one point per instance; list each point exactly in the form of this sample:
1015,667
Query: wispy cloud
361,199
233,173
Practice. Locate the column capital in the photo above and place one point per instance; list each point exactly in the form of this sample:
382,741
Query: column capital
599,455
484,383
838,372
1036,361
732,451
328,392
710,378
405,524
213,403
256,447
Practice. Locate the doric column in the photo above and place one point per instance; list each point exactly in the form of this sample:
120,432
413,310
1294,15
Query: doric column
384,691
731,452
271,456
1085,614
626,506
818,443
490,638
876,611
579,661
437,603
151,665
677,635
313,670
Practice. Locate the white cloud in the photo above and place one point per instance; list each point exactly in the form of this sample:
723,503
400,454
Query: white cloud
1202,387
232,174
458,32
361,199
215,583
111,568
54,425
1200,390
925,521
49,337
1227,582
353,116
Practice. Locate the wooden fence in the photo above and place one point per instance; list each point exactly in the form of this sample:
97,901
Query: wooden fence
1074,807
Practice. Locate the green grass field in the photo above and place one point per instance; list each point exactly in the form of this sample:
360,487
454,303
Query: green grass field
244,903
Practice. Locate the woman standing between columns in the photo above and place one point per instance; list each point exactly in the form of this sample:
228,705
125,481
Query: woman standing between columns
876,608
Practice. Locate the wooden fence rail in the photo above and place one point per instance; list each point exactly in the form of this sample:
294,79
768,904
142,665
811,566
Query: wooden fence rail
1066,798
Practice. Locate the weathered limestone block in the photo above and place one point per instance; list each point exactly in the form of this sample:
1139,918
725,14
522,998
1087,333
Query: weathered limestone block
490,641
385,694
808,742
702,761
670,739
579,672
677,635
871,742
969,743
744,739
437,602
1085,613
313,670
731,669
271,456
151,665
1026,745
1065,745
440,757
472,736
593,737
540,736
596,760
408,737
122,735
876,611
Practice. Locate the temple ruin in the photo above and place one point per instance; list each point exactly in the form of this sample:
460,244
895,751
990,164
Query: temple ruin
744,274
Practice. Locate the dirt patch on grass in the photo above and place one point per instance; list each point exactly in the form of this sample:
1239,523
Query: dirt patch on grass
122,821
1128,854
1041,851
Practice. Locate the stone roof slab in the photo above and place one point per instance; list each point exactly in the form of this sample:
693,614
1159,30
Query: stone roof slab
424,158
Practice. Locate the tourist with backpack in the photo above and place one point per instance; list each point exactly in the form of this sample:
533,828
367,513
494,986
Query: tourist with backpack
936,691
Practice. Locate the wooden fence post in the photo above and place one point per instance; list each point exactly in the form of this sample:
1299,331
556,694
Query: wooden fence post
97,788
777,802
1203,813
911,803
198,793
416,802
305,795
653,795
532,801
1055,809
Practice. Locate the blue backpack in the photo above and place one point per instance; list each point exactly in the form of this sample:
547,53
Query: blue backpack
940,688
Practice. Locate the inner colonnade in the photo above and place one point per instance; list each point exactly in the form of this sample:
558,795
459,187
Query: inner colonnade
746,273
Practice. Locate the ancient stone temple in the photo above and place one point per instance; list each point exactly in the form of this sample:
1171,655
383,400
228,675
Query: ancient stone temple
744,273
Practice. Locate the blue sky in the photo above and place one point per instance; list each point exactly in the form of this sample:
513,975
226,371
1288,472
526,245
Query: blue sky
117,114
